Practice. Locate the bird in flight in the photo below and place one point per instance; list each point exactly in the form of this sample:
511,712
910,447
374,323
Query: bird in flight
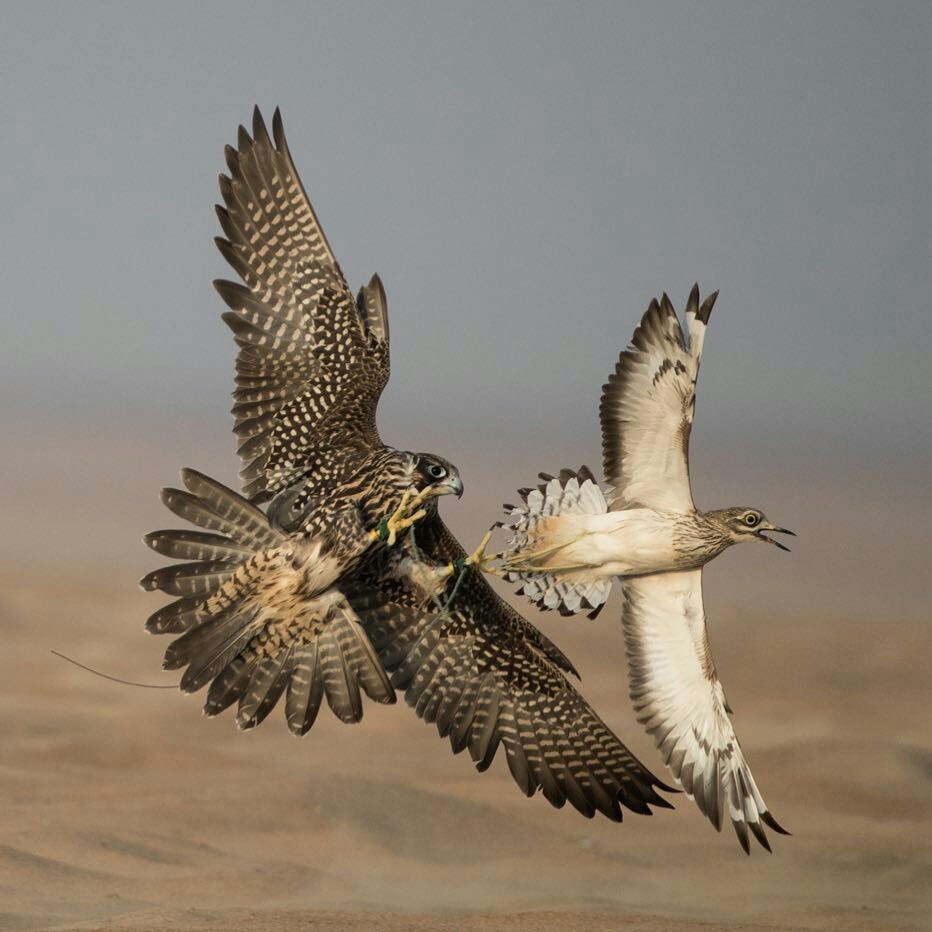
571,539
322,594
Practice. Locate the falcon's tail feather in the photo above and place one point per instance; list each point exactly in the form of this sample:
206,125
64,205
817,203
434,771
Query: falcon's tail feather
256,616
533,551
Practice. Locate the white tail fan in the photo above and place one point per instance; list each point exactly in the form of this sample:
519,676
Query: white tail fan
571,492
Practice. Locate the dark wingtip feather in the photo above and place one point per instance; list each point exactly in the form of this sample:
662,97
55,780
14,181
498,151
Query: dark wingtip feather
231,292
149,582
231,157
194,477
706,310
663,786
168,495
657,800
692,305
259,131
769,820
278,129
172,618
595,612
741,830
761,836
235,323
243,140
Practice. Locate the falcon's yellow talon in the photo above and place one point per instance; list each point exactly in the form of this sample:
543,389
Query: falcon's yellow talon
481,561
400,519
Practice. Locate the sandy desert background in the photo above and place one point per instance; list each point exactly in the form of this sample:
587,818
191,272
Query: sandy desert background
126,808
524,177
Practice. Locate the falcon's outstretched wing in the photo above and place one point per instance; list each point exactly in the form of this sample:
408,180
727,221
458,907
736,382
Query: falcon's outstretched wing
647,409
678,698
312,361
486,677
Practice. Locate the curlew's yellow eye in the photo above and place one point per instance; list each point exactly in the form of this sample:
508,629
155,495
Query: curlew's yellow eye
751,519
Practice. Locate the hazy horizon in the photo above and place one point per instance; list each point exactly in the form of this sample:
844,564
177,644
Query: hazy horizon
524,183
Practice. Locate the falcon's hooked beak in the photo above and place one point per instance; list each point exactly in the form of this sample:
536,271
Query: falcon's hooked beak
452,484
767,526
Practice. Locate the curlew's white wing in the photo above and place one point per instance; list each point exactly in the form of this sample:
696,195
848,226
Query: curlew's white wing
678,698
647,409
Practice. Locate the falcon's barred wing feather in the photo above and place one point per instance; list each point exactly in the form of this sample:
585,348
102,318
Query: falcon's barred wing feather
304,341
647,409
486,677
256,616
678,698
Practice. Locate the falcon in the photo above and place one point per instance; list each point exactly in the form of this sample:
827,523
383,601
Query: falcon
340,585
571,538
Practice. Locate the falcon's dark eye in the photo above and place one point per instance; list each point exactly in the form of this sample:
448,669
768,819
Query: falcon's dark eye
751,519
436,471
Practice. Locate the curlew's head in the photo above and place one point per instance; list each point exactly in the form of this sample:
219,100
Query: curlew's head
743,524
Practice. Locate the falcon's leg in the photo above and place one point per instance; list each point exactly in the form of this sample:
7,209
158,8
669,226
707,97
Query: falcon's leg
478,560
482,561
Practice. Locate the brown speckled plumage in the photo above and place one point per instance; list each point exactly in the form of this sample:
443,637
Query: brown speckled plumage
298,600
487,677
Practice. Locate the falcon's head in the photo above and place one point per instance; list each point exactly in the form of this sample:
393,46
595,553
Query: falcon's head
434,472
749,524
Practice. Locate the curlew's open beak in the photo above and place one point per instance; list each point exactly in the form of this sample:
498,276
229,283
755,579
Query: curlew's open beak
767,526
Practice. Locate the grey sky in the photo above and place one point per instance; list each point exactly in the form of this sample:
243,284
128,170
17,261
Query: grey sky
523,176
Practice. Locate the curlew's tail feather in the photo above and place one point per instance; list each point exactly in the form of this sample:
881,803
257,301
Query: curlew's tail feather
533,561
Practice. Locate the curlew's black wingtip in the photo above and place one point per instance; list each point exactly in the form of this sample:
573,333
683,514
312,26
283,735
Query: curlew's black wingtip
769,820
706,310
761,836
692,304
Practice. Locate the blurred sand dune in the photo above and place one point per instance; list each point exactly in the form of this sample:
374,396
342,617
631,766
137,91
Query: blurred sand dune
126,808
